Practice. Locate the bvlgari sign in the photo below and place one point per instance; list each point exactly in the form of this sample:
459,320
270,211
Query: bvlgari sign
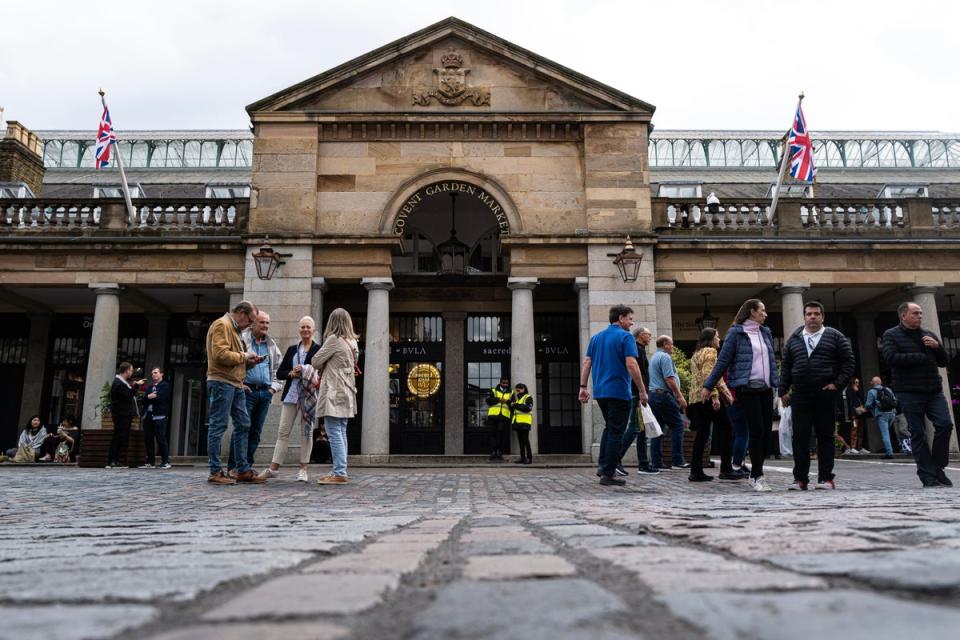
461,188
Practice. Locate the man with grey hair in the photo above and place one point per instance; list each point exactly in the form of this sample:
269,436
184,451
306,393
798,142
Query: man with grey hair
642,336
915,356
259,385
227,362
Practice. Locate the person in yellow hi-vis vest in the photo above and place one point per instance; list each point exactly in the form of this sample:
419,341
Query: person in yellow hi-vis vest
498,416
522,406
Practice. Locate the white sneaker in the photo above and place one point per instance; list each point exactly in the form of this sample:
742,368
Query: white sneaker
302,476
268,473
46,458
145,466
166,465
759,484
852,452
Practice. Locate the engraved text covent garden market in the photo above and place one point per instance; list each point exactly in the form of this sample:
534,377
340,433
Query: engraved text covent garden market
414,201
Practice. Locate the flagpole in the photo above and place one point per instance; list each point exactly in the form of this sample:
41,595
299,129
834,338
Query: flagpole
783,171
123,176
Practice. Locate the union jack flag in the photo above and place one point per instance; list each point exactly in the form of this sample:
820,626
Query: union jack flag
105,138
801,150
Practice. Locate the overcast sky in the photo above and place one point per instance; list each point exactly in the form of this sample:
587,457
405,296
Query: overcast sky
732,64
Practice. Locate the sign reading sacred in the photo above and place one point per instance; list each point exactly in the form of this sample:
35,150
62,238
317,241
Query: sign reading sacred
464,188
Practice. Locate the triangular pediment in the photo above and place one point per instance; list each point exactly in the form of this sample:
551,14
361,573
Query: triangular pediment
451,67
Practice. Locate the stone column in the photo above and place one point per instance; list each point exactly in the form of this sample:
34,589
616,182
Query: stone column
523,353
925,296
581,286
157,324
318,286
235,290
664,290
453,377
792,304
375,429
38,344
867,348
102,364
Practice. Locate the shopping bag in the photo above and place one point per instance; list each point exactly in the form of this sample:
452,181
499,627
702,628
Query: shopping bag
650,425
786,431
25,453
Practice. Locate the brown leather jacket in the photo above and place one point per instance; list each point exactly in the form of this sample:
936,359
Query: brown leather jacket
226,353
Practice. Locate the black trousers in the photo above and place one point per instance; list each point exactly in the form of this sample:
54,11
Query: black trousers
523,437
702,416
121,435
816,411
757,407
499,427
155,433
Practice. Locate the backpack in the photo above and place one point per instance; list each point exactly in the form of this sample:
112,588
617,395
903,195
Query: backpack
886,401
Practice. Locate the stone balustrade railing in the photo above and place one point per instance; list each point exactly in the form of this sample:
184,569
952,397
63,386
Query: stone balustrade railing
98,216
809,217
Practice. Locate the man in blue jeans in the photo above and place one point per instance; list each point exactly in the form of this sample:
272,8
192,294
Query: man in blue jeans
915,355
259,385
882,403
667,403
612,359
227,362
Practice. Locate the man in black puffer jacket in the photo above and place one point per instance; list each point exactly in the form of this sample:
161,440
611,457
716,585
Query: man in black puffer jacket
817,362
915,356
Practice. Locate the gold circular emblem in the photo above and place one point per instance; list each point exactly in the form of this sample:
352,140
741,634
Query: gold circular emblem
423,380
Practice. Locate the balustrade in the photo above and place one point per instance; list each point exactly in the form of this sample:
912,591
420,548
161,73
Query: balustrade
946,214
40,214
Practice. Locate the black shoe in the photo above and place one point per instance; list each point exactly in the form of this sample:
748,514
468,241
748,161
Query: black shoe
888,456
665,467
620,471
699,477
518,461
616,482
685,465
927,484
528,461
731,475
943,479
744,469
649,470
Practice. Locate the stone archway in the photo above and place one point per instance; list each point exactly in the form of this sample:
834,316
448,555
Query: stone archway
404,203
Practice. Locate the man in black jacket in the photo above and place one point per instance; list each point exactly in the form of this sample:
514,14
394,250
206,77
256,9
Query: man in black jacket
156,414
123,407
915,354
817,362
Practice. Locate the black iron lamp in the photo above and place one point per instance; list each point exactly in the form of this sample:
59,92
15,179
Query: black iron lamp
628,261
706,319
195,320
454,255
267,261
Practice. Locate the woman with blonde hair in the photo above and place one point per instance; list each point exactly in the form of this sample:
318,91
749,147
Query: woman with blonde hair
337,402
299,398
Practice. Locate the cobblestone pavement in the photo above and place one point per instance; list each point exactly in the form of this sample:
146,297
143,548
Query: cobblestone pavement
500,552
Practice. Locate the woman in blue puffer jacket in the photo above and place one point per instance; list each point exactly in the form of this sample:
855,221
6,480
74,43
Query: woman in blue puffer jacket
748,353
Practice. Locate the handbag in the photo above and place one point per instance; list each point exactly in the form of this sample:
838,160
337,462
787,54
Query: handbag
63,453
650,425
356,367
25,453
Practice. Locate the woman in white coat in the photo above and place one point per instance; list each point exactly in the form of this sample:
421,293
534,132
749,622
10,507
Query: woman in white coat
337,400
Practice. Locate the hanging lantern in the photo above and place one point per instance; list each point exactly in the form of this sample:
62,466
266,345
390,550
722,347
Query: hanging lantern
628,262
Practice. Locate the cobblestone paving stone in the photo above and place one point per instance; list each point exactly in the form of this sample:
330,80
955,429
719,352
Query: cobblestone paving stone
492,552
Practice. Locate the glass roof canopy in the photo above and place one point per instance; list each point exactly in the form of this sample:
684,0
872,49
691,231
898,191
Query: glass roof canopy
668,149
152,149
835,149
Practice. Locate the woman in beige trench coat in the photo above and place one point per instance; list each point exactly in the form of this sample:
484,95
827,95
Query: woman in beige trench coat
337,399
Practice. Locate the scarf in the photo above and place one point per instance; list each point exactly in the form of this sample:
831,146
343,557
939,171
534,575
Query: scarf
307,399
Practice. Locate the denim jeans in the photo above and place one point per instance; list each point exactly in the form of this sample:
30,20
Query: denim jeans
616,416
741,433
667,412
633,433
884,422
336,429
258,404
934,406
227,401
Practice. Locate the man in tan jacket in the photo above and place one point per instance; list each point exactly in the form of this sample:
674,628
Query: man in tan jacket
227,362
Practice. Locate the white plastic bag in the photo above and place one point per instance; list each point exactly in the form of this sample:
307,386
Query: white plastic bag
650,425
786,431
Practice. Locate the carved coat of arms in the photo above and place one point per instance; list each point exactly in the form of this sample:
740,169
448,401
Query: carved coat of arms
451,88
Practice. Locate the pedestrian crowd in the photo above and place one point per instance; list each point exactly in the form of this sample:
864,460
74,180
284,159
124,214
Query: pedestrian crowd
735,390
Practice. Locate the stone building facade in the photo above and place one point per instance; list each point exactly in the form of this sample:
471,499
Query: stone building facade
462,197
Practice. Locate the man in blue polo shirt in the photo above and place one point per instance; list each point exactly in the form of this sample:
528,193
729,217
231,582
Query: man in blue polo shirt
612,358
